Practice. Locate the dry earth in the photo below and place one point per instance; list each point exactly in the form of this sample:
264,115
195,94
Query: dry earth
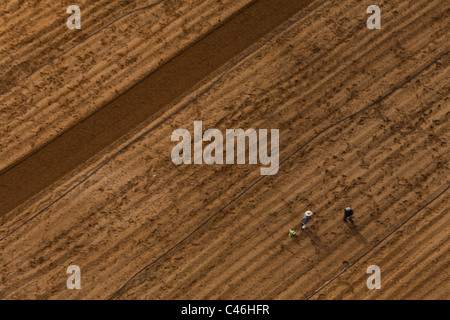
387,162
77,84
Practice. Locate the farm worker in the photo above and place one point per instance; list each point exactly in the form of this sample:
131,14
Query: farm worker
348,213
306,218
291,233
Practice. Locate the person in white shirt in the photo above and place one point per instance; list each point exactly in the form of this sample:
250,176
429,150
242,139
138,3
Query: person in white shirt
306,218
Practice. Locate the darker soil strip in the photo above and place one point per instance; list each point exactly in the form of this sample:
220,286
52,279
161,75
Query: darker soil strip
78,144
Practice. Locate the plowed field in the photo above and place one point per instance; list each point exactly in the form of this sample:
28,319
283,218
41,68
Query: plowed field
363,118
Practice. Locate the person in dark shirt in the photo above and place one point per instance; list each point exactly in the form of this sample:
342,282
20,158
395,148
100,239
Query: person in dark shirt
348,213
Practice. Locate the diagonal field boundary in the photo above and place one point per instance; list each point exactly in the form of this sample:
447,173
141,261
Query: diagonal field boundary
163,120
74,146
250,187
409,79
15,84
375,246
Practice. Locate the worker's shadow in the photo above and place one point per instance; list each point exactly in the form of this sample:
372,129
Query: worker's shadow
311,234
354,230
315,240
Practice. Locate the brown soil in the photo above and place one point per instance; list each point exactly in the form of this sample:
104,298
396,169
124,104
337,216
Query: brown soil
78,83
422,247
387,162
81,142
34,31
